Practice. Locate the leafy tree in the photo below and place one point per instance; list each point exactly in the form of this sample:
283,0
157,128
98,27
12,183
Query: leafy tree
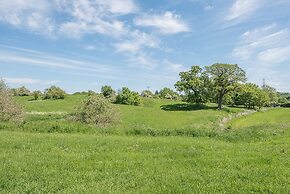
108,91
225,78
195,84
126,96
9,109
96,110
36,94
22,91
272,92
54,93
167,93
147,94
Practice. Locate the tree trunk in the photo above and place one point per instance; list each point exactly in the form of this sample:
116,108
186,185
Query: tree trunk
220,101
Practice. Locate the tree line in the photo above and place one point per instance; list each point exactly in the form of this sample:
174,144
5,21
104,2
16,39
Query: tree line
224,84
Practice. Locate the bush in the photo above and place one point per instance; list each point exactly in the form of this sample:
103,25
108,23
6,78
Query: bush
108,91
128,97
96,110
36,94
54,93
147,94
22,91
9,109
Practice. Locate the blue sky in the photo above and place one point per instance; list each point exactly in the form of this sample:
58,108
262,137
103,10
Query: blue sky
84,44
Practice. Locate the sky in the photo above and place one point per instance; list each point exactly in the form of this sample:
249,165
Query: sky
82,45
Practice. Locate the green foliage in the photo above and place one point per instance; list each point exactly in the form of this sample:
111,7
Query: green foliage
251,96
36,94
128,97
167,93
195,84
108,91
272,93
225,78
9,109
22,91
96,110
147,94
54,93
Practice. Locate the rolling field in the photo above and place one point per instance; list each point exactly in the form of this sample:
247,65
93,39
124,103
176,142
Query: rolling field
160,147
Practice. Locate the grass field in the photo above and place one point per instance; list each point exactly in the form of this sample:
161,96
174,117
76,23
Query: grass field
177,149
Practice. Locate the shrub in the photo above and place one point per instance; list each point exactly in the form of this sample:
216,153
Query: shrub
147,94
54,93
128,97
22,91
167,93
36,94
96,110
9,109
108,91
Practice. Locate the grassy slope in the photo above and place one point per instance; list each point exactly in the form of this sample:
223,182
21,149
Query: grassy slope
148,119
245,162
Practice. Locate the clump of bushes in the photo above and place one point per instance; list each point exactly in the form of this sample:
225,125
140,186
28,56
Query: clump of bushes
53,93
147,94
36,94
126,96
96,110
9,109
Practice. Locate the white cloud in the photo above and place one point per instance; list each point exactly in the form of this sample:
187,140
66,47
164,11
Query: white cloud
267,44
168,23
208,8
40,59
136,41
242,9
21,80
30,14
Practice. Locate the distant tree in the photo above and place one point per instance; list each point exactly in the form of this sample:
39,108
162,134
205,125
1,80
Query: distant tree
36,94
272,93
195,84
54,93
147,94
108,91
128,97
91,93
9,109
22,91
167,93
224,78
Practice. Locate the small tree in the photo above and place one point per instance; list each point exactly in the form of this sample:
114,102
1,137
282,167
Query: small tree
195,84
272,93
54,93
9,109
108,91
224,78
22,91
36,94
96,110
147,94
167,93
128,97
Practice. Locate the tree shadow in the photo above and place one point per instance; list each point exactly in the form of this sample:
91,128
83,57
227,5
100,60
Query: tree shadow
186,107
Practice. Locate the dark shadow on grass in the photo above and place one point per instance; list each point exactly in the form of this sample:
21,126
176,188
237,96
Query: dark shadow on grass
186,107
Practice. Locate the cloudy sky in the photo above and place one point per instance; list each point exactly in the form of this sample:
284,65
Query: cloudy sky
84,44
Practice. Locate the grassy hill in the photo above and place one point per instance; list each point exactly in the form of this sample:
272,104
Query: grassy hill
160,147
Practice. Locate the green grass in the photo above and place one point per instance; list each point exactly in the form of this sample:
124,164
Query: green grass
156,117
78,163
189,152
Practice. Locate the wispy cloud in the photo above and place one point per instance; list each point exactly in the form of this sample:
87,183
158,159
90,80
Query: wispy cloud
167,23
27,80
35,58
267,44
242,9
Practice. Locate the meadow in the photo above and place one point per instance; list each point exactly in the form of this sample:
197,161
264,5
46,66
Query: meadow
162,146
